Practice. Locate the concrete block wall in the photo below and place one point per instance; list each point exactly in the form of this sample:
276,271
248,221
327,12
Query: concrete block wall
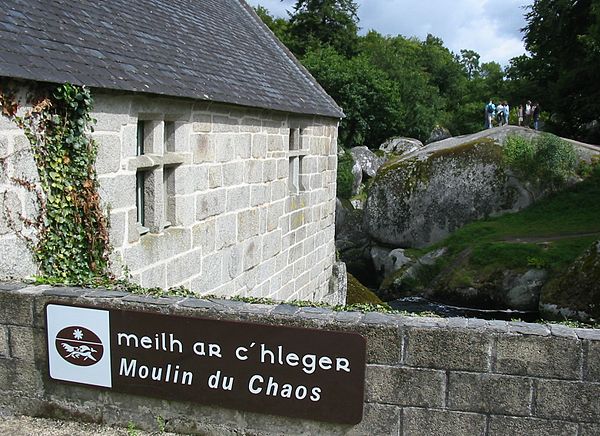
236,226
424,376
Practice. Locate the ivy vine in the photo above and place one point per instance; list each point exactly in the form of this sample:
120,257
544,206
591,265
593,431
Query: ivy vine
72,244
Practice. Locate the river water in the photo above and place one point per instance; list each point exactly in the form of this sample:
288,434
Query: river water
419,305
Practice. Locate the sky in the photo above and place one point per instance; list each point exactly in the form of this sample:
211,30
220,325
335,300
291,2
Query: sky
490,27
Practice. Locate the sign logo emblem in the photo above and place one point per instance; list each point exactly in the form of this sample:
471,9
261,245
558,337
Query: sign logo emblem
79,346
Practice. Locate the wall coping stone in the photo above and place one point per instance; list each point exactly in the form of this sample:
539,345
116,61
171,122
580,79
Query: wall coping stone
270,312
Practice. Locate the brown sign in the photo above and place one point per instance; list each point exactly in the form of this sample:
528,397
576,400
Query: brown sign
288,371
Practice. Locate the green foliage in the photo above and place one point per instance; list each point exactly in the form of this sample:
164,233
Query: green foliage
161,423
345,178
560,160
278,26
546,159
73,244
387,85
519,153
324,22
407,63
469,59
550,234
509,255
132,429
563,39
369,98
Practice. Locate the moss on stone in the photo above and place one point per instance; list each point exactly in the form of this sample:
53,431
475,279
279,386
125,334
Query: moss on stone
408,174
480,148
578,289
360,294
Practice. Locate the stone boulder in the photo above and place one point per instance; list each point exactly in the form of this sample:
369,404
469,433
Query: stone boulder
388,261
401,145
451,279
576,293
352,243
438,133
420,199
368,161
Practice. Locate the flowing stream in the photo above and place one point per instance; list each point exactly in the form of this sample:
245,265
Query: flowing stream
419,304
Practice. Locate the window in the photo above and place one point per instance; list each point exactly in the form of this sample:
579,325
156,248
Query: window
294,175
169,133
296,151
169,194
155,164
140,138
140,180
140,202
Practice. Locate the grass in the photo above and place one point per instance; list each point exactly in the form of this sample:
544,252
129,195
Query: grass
549,234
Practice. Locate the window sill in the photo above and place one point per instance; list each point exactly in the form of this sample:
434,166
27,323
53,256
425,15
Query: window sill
141,229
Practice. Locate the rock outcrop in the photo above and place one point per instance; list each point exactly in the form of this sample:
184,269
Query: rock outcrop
449,279
401,145
438,133
357,177
421,197
352,243
368,161
416,201
388,261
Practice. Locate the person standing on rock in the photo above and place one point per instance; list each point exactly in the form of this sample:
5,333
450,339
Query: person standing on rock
500,113
528,114
506,113
490,110
520,115
536,116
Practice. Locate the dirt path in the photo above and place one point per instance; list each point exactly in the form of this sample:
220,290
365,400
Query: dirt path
538,239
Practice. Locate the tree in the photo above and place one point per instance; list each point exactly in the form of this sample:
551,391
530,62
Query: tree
324,22
563,37
370,100
401,59
469,59
279,26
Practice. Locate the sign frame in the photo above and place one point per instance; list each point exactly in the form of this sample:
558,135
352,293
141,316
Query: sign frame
257,367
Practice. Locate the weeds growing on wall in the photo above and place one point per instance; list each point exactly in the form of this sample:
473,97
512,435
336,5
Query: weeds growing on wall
72,244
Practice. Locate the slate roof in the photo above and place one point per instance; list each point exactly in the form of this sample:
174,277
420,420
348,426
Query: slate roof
215,50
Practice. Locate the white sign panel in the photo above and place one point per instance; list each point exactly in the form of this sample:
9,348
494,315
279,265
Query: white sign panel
79,345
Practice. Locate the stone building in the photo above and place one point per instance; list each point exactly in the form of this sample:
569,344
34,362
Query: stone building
217,149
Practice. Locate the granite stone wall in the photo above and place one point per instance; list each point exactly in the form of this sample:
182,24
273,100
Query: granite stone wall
236,201
424,376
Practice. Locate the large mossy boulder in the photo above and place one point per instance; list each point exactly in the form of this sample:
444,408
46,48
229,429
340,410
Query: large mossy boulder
576,293
418,200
